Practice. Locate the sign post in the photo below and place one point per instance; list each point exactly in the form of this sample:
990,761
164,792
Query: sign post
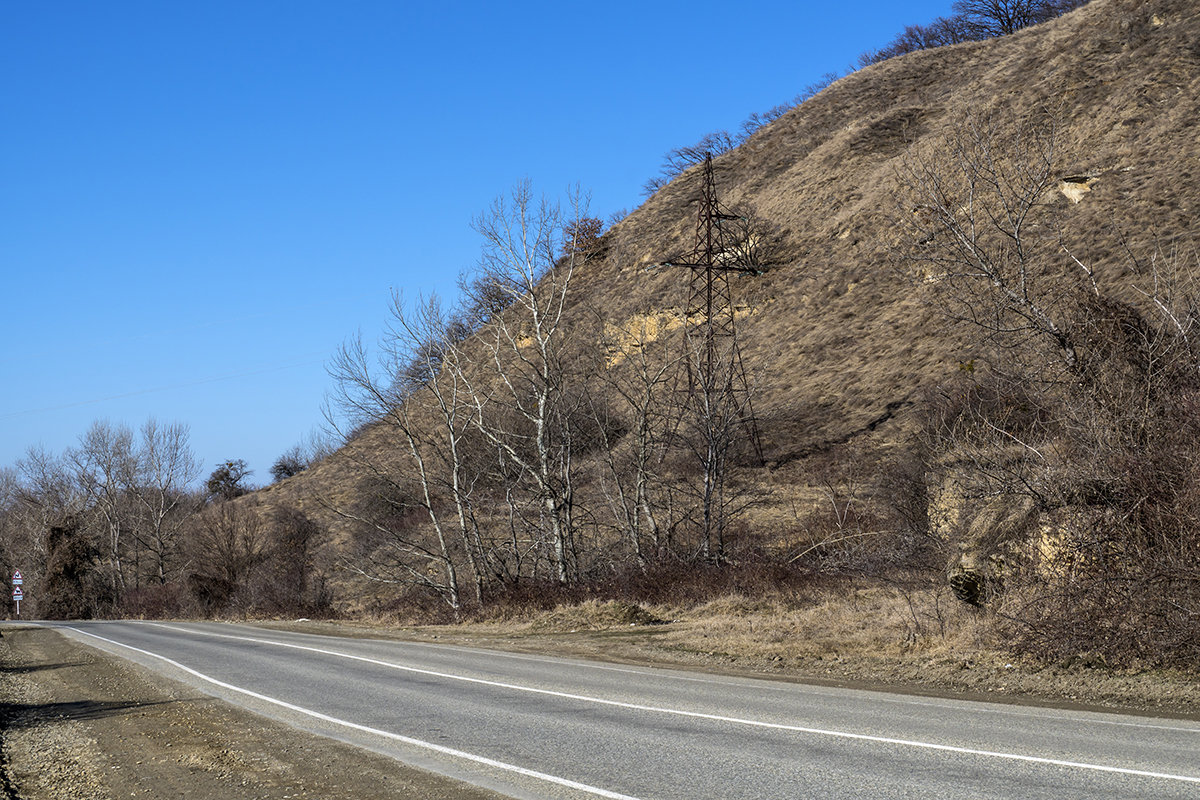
18,593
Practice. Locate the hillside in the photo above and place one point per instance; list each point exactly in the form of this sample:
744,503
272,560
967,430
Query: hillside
841,343
844,334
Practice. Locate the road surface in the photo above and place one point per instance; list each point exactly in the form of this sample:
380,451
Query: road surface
542,727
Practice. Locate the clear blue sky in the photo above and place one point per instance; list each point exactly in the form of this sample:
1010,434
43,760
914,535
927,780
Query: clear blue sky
199,201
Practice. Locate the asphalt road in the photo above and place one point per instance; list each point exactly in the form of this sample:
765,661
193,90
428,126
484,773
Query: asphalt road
541,727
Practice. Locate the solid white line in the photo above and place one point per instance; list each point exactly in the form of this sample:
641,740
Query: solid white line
767,684
529,773
713,717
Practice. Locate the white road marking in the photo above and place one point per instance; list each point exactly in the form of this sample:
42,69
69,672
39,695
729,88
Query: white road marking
449,751
713,717
767,684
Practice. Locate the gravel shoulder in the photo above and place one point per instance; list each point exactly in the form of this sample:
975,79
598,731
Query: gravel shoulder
76,723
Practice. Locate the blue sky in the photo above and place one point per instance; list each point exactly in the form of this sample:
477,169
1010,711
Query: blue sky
199,202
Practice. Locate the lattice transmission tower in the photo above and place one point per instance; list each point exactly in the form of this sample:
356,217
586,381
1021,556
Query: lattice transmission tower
717,383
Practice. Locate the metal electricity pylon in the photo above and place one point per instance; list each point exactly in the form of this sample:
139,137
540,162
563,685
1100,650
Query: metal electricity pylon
716,375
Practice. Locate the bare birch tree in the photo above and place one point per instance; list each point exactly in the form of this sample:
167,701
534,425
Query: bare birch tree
523,402
639,376
399,476
437,360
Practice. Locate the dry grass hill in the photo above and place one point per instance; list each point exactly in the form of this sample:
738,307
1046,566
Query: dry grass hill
843,340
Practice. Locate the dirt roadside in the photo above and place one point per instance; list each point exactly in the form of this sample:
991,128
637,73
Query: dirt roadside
77,723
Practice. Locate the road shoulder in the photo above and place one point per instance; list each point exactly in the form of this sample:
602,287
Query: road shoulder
76,722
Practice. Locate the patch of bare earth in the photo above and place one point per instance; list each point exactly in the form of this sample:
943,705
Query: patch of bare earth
76,723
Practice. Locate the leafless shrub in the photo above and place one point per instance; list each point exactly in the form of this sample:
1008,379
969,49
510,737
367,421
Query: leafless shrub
582,237
973,20
679,160
227,541
871,518
156,601
1087,405
939,33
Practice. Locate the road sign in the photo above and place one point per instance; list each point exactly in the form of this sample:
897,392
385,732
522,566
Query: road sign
17,593
17,578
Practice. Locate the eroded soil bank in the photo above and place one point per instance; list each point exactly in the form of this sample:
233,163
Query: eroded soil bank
76,723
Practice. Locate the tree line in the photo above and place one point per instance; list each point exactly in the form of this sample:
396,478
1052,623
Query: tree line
117,525
971,21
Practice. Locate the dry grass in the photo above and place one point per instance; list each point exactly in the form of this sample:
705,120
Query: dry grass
842,333
875,621
593,615
841,336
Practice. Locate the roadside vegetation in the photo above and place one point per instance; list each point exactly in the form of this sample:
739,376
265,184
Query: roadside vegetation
973,401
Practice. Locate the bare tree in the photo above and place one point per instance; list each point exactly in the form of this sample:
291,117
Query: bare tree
314,448
973,20
47,491
290,463
640,377
941,32
679,160
977,215
1078,430
523,403
583,235
431,338
226,543
104,465
712,425
987,18
398,478
975,203
228,480
165,466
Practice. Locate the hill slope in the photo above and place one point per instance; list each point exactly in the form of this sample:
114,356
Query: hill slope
841,343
